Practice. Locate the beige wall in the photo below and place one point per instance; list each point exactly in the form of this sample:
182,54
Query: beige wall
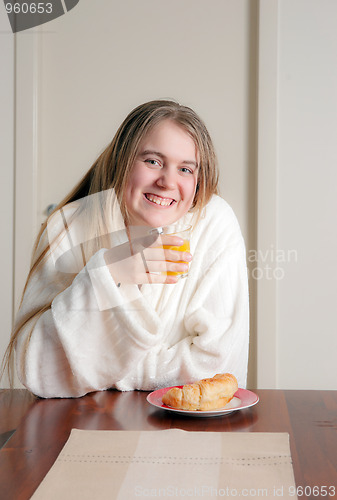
240,64
98,63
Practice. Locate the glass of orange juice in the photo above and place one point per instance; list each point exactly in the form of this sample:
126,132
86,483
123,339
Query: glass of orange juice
183,231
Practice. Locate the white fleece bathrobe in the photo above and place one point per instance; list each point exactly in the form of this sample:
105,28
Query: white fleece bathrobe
97,335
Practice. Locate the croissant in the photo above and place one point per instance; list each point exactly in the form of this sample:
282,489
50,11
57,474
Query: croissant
207,394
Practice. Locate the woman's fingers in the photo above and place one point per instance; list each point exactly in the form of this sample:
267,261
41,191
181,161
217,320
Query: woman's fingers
167,239
148,261
177,255
166,254
155,271
157,266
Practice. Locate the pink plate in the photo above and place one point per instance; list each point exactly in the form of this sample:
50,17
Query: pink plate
242,399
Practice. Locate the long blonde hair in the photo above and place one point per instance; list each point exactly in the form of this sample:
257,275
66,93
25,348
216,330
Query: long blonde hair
111,170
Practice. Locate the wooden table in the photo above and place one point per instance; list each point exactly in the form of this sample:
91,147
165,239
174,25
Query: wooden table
43,426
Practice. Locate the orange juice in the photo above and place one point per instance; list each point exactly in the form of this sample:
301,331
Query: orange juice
185,247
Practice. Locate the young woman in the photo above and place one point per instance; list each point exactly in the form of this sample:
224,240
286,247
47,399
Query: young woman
99,309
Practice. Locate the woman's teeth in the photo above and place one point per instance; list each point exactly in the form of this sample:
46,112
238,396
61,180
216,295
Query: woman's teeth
164,202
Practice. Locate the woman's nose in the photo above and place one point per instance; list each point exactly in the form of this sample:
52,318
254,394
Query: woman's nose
166,179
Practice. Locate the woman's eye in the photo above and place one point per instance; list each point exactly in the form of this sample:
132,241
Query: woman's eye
155,163
186,170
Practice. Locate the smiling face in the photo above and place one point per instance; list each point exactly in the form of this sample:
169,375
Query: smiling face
163,179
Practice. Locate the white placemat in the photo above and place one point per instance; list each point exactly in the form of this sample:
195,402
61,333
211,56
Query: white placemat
172,463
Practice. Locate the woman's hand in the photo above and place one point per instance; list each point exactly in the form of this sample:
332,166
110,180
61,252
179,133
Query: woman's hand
144,260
